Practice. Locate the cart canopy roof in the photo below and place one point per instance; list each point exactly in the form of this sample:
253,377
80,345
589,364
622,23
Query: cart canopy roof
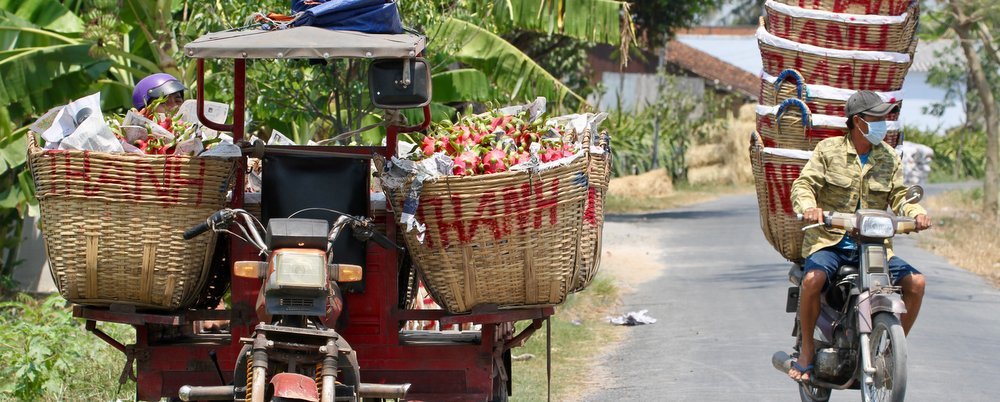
303,42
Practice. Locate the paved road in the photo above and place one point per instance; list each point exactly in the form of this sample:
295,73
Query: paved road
720,304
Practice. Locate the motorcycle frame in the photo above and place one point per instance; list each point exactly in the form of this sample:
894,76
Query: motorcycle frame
871,293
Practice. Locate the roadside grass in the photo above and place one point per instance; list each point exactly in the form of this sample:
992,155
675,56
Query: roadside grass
579,332
963,233
47,355
683,194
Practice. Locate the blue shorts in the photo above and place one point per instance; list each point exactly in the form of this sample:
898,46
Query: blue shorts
830,259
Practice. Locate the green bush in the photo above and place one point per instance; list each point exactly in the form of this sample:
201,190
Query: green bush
959,154
681,118
46,354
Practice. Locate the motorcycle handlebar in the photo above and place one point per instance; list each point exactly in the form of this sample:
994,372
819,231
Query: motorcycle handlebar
218,218
838,220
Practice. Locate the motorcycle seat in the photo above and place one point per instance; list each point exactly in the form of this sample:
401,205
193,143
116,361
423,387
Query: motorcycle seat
846,270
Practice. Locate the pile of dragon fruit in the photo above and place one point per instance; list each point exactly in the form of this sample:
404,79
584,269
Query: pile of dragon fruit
489,143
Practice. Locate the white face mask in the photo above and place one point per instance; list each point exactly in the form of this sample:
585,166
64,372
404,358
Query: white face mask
876,131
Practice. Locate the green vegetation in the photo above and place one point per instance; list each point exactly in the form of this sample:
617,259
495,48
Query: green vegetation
958,154
660,134
45,354
579,330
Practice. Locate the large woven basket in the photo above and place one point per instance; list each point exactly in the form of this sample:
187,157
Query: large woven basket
774,170
508,239
791,125
113,224
855,69
844,31
598,177
821,99
871,7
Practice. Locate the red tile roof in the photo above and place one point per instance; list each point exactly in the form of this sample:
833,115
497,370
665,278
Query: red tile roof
716,72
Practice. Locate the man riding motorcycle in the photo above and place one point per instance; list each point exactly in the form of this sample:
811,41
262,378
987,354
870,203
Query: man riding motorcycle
845,174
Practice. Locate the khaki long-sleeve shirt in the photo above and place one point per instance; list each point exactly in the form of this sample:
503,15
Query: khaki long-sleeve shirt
834,180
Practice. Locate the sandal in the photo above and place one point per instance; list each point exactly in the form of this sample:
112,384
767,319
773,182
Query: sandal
804,370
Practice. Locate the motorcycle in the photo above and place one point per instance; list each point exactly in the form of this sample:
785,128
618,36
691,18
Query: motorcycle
860,343
296,343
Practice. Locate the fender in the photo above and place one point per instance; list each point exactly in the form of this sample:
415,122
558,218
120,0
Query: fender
888,302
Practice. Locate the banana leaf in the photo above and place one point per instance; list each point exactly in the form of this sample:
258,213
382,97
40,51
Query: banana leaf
513,72
461,85
46,14
589,20
37,78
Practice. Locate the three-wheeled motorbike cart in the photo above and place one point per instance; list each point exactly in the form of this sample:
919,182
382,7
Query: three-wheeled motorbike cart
470,365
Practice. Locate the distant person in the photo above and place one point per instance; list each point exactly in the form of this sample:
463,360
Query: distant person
845,174
158,86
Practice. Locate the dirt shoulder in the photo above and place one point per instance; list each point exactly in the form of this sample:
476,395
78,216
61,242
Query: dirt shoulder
963,233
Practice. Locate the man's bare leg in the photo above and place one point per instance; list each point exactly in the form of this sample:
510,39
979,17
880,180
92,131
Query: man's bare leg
812,286
913,295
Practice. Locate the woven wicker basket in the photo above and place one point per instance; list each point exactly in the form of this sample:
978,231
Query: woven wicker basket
598,177
508,239
843,31
773,176
872,7
820,99
113,224
794,127
859,70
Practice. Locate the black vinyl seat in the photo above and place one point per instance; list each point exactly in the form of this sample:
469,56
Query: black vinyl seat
295,182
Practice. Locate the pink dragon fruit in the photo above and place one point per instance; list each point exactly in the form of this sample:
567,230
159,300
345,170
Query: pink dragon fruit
428,145
466,163
550,154
493,161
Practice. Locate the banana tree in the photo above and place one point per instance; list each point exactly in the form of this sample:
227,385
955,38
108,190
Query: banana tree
474,39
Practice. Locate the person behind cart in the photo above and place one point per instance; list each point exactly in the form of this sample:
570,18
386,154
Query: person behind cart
162,91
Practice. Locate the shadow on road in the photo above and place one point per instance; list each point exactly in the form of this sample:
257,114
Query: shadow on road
670,215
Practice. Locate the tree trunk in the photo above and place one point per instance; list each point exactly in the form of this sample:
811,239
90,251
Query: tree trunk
963,28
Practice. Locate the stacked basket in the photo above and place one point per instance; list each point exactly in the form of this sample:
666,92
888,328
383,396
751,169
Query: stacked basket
817,54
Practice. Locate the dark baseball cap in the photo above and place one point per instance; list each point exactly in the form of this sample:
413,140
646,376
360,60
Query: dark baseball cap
869,103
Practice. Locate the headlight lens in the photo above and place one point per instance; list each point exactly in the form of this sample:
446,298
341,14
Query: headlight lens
299,270
877,226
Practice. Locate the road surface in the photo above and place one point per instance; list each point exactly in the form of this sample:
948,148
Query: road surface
719,298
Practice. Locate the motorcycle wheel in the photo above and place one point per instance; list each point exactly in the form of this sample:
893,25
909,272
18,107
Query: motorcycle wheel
810,393
887,346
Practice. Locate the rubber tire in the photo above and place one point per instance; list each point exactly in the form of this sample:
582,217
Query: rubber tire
887,324
821,394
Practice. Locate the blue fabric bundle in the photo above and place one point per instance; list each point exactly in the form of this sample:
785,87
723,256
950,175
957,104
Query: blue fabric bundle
369,16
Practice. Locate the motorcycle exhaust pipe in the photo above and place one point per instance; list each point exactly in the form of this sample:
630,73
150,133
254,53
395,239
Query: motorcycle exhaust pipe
781,361
215,393
383,391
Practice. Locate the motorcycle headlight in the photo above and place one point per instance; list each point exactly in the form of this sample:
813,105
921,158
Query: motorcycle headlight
877,227
299,269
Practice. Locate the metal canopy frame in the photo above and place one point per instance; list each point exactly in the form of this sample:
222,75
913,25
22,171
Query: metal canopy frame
304,42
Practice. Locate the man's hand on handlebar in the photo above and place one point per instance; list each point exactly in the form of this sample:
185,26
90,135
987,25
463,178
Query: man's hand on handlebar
813,215
923,222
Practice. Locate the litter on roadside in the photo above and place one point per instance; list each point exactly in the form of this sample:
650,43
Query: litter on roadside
632,318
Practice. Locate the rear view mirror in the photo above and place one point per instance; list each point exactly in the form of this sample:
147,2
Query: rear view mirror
914,194
400,83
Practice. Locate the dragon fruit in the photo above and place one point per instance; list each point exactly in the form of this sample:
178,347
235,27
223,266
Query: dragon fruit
428,145
466,163
494,161
551,154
